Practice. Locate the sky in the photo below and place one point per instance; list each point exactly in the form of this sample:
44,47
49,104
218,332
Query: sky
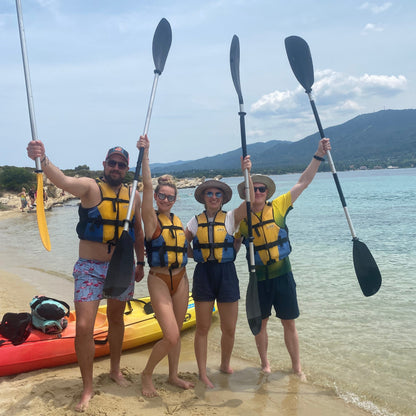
91,70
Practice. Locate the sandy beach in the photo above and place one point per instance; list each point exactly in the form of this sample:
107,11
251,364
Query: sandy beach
246,391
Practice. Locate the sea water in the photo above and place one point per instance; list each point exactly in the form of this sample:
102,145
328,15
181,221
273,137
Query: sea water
362,348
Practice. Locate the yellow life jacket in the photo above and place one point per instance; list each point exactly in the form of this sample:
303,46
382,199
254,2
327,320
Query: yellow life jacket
170,248
271,243
212,242
104,223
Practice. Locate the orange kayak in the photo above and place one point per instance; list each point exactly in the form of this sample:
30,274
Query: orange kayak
44,350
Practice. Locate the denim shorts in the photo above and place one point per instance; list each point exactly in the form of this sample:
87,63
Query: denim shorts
89,276
215,281
279,292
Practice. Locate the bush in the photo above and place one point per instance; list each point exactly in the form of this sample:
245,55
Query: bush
13,178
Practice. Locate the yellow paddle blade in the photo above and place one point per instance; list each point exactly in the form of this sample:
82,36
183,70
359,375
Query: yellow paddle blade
40,212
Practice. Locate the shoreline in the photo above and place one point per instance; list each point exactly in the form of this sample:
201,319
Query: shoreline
246,391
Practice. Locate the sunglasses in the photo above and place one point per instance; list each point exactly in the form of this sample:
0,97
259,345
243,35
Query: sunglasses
162,197
210,194
114,163
261,189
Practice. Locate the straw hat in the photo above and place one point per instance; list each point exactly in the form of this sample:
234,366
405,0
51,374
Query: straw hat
213,183
265,180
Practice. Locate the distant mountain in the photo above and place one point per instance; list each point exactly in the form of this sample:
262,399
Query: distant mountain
378,139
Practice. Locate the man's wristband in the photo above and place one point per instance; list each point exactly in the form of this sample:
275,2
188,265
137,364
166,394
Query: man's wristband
321,159
140,263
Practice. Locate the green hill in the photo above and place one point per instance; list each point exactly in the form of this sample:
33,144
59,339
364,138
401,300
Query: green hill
378,139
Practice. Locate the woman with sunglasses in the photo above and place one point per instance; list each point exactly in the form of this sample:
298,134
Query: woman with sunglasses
166,249
215,277
276,285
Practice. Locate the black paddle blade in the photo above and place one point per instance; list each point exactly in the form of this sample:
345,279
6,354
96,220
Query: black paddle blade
162,40
253,310
366,269
300,60
121,267
235,66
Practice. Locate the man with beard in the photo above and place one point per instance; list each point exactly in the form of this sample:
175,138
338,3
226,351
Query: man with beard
104,205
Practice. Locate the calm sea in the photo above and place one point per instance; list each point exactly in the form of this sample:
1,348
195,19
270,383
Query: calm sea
364,349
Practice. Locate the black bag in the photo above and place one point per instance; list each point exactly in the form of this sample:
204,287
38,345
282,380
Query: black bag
16,327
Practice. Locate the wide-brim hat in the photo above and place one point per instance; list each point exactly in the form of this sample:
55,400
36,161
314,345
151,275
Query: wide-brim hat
213,183
257,178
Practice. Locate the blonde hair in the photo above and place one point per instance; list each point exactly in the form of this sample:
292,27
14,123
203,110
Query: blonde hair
166,180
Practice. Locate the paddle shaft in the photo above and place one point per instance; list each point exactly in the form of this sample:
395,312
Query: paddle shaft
242,114
27,79
40,209
140,158
332,166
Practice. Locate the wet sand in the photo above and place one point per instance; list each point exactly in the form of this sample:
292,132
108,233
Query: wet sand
246,391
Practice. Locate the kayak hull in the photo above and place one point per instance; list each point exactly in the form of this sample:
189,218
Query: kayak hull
44,350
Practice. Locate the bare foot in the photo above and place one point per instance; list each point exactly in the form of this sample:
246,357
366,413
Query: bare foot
206,381
183,384
226,369
266,369
84,401
148,389
119,379
301,375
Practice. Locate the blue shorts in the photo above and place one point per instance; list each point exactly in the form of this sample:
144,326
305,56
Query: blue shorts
215,281
89,276
279,292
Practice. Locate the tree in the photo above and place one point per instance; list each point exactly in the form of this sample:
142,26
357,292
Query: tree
13,178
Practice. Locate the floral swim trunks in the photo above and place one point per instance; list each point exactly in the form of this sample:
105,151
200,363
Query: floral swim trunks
89,276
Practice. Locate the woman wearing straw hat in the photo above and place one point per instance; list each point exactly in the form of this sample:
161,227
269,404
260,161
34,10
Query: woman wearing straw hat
215,277
166,250
276,285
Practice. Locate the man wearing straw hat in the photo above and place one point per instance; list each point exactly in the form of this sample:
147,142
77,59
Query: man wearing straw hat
276,284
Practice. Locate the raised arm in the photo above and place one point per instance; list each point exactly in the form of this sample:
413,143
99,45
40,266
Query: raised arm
310,172
241,211
139,238
79,187
148,213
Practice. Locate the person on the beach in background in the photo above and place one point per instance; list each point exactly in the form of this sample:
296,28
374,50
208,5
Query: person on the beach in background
166,250
32,198
276,285
103,208
23,199
215,277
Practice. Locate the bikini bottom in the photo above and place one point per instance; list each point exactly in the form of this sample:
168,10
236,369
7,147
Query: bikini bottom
172,280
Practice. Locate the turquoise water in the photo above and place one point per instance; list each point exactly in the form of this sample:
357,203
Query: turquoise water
364,349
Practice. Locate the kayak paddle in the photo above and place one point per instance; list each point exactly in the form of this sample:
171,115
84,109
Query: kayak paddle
253,311
40,209
122,261
366,269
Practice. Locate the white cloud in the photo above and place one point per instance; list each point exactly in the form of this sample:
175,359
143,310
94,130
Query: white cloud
371,27
376,8
340,91
276,100
256,134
